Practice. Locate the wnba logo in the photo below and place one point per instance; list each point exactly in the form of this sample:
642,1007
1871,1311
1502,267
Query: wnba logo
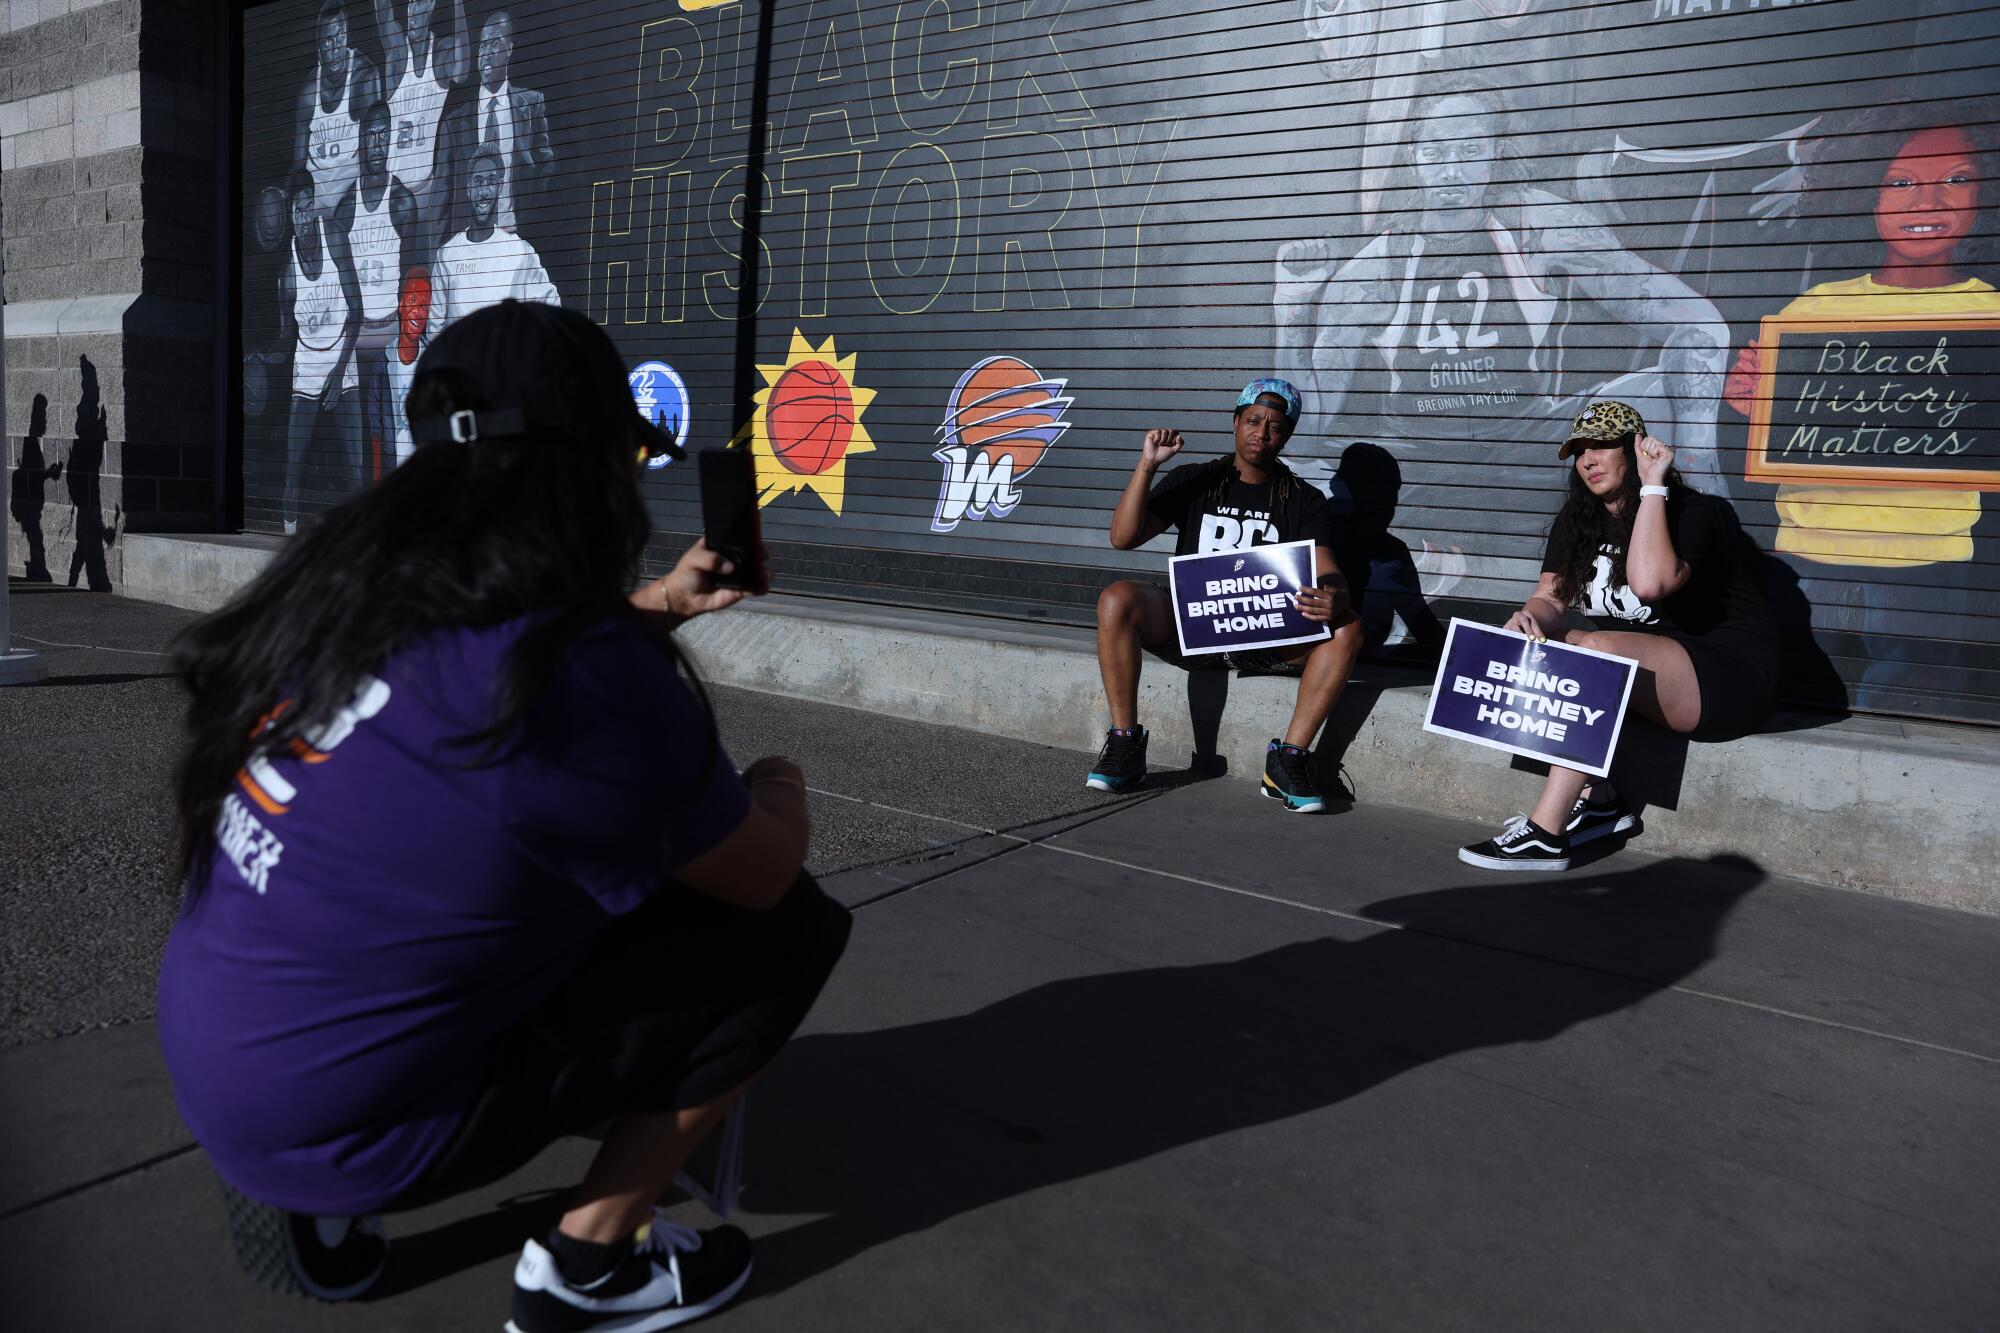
1003,417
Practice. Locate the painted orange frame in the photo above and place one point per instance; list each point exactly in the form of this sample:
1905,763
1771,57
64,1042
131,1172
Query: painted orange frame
1757,465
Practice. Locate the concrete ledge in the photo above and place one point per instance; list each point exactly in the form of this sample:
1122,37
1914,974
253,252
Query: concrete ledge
200,573
1895,808
1902,809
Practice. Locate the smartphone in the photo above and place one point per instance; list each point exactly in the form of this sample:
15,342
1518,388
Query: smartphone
729,513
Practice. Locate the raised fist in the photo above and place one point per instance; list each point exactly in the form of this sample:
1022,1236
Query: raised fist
1160,445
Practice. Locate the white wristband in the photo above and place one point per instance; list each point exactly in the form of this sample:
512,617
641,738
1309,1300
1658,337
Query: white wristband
1645,491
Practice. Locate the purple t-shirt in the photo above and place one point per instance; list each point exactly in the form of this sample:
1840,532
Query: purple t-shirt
379,907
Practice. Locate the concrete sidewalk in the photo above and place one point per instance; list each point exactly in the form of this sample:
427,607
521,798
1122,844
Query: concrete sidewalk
1885,805
1179,1060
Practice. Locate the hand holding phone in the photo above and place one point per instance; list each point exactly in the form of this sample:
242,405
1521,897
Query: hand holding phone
729,515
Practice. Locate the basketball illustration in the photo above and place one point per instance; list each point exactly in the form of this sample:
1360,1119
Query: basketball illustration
807,426
1004,408
271,220
811,416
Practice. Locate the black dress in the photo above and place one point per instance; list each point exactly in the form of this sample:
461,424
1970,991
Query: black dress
1719,615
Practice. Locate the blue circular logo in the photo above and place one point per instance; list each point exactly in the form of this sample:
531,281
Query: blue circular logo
662,398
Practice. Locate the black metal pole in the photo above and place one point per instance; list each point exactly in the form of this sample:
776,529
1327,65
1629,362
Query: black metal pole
748,270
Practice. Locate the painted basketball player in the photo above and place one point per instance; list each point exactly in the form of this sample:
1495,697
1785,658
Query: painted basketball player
319,310
484,265
328,138
420,67
1443,337
374,217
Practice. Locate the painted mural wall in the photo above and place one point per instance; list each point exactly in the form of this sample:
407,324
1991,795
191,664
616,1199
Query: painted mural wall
993,241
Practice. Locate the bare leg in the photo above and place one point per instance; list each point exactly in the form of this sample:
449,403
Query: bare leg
1666,692
1559,793
1328,665
1129,616
636,1163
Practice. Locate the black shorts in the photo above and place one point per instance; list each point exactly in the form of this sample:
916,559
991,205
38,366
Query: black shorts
679,1002
1737,690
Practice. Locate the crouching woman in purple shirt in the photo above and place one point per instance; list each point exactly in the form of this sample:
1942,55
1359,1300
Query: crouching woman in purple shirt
467,869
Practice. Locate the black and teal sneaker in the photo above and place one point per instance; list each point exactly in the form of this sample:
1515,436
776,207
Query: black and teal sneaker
1288,777
1599,819
1122,764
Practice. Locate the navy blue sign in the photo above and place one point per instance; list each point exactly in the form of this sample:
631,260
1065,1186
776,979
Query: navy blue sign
1544,700
1230,601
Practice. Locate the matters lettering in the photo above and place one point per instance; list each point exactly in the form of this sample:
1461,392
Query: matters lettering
1878,404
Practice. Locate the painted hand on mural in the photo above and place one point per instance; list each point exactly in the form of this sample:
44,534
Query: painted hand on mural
1440,569
1778,197
1740,389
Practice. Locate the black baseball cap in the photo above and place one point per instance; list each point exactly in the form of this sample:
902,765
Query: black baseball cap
533,368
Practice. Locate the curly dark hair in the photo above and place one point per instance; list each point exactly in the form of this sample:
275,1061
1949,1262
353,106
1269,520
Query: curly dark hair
1590,525
1845,180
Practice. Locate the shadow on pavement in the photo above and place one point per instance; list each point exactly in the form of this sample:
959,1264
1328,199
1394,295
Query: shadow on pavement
891,1132
895,1131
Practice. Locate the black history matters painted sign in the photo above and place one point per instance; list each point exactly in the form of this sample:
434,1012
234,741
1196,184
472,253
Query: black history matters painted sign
1894,403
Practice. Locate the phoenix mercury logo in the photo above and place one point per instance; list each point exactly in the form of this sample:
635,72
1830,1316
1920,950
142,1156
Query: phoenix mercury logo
1002,418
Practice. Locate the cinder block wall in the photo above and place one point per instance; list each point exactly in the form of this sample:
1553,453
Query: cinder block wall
107,181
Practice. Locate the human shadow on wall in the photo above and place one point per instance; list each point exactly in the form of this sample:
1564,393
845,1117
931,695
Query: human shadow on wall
27,493
891,1132
86,470
1364,491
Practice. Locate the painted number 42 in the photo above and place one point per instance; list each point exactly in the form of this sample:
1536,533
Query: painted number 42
1437,336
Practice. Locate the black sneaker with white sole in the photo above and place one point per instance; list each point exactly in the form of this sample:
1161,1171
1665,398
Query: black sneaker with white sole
1590,819
674,1274
1121,765
327,1258
1521,845
1288,777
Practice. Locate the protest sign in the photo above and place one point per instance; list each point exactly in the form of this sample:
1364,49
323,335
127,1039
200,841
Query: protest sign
1543,700
1231,601
1886,403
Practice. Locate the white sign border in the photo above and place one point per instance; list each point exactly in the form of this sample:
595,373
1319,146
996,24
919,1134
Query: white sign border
1180,621
1617,730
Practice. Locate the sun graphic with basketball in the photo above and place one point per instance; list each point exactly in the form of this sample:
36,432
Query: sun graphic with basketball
807,423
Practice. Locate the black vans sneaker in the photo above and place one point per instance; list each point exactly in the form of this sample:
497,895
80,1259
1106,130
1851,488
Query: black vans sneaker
1590,819
328,1258
1122,765
1521,845
1288,777
673,1275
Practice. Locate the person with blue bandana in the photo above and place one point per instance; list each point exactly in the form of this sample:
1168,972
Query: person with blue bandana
1245,498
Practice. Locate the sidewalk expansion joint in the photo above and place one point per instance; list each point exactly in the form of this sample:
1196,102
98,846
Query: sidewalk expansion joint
1011,839
69,1191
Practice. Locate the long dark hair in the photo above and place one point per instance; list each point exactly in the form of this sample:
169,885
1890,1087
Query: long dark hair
1590,525
461,535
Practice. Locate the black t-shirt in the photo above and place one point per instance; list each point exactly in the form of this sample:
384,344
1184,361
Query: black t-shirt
1241,517
1720,600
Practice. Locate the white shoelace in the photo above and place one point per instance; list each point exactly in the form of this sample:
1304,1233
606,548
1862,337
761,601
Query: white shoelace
670,1239
1514,829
